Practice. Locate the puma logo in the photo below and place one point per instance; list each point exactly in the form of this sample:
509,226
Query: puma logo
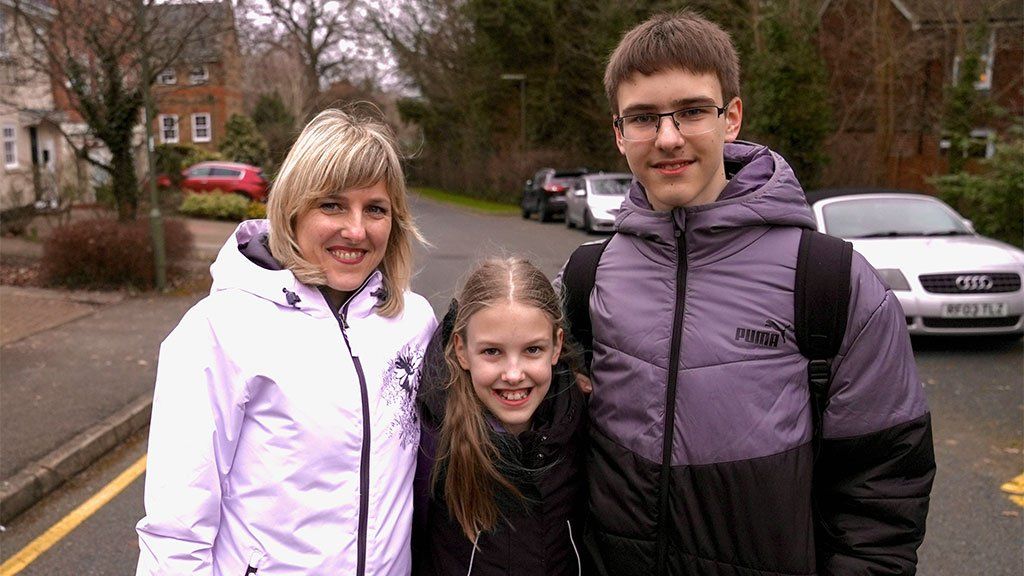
764,338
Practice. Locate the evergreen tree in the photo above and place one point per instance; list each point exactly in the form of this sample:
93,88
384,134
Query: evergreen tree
276,125
786,90
965,107
243,142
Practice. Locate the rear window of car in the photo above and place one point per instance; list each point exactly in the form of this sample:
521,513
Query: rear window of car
610,186
225,172
881,217
569,173
567,182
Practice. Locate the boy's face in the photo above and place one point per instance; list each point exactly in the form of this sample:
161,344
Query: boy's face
678,170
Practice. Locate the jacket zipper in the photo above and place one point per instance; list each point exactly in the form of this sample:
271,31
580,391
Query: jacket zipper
670,404
364,456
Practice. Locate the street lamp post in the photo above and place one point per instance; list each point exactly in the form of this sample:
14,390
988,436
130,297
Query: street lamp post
156,223
521,78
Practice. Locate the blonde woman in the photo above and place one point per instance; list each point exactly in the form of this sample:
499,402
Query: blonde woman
284,434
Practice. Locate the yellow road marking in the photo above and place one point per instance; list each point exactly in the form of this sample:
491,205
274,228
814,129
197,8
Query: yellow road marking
58,531
1015,488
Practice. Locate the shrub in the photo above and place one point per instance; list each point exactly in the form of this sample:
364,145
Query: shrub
257,210
994,199
105,253
216,205
243,142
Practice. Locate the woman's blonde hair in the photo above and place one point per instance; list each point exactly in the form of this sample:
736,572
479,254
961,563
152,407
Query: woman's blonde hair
337,151
467,454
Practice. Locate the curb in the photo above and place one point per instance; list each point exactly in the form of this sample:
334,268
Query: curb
32,483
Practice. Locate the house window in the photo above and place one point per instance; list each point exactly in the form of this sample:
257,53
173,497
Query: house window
169,128
985,60
10,138
982,143
199,75
167,76
201,128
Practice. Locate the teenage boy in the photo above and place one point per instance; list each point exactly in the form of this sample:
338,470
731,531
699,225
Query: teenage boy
702,456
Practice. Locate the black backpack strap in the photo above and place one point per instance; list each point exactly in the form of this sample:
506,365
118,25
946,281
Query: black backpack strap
577,282
821,302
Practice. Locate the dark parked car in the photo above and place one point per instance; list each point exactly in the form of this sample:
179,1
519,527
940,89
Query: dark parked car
545,192
229,177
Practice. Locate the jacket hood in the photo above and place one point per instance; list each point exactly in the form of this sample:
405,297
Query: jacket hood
762,190
245,263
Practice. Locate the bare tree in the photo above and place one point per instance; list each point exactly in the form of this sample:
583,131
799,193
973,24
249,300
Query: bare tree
323,34
94,51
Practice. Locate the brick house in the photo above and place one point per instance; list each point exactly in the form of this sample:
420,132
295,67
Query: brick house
194,98
31,144
891,63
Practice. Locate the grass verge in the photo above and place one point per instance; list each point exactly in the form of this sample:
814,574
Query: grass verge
447,197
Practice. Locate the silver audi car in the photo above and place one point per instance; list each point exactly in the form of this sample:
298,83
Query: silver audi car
949,279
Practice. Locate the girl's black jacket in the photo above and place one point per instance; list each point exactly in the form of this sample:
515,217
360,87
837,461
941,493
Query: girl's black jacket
536,537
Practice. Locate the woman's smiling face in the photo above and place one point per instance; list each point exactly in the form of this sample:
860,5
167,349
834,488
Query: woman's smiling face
346,234
509,349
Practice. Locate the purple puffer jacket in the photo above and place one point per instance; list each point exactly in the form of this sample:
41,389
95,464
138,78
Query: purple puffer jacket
701,457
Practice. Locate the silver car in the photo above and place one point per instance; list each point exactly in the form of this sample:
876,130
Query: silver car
593,200
949,279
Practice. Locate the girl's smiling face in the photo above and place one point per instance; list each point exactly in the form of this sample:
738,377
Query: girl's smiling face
346,234
509,349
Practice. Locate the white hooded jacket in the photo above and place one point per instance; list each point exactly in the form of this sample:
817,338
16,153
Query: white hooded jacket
284,436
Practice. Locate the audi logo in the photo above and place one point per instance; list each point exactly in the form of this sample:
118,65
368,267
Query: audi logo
974,283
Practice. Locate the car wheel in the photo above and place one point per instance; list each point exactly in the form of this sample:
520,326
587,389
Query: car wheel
568,221
588,224
526,212
545,212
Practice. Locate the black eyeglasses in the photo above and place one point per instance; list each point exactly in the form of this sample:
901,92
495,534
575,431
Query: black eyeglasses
691,121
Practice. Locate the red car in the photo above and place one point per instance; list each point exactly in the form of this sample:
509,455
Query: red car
228,177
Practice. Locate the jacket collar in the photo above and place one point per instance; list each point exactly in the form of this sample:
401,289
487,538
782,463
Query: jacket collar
762,190
245,263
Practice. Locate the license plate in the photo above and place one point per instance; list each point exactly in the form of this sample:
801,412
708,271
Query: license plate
975,310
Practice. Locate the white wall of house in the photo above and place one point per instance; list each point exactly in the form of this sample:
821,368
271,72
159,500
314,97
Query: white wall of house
26,103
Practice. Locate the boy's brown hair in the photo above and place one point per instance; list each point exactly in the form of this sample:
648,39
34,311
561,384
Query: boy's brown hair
682,40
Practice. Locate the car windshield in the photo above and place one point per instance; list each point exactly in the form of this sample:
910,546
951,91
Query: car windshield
610,186
891,217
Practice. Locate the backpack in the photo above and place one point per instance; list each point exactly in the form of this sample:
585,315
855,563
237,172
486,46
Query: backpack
821,300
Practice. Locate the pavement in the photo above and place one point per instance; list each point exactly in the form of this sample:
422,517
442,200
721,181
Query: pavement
77,369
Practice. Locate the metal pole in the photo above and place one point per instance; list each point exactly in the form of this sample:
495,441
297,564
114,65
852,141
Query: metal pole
522,112
156,224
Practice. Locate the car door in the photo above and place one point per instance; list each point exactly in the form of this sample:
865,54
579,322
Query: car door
198,179
224,179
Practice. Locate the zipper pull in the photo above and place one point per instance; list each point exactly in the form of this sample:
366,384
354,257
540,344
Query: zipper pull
255,559
344,322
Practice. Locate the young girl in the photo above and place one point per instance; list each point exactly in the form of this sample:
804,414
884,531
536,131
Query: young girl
499,485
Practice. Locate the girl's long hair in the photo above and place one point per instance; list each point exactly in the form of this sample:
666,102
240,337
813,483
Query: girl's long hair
468,460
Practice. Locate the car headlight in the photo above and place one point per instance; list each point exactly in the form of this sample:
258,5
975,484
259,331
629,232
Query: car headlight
894,279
